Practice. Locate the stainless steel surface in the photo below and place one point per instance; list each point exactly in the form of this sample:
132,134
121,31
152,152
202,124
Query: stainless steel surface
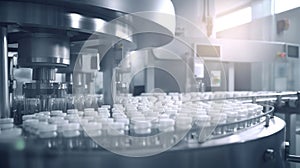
47,50
116,8
90,17
49,16
45,74
4,92
164,6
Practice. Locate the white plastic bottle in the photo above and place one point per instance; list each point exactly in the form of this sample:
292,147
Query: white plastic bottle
47,134
166,132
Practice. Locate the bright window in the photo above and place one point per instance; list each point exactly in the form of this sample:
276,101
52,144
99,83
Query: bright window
233,19
285,5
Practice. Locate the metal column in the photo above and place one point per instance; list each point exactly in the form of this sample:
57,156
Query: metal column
150,76
230,76
4,93
108,63
290,120
107,83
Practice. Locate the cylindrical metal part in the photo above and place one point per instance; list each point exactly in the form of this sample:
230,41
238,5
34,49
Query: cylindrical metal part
293,158
35,90
4,92
43,49
79,83
43,74
108,65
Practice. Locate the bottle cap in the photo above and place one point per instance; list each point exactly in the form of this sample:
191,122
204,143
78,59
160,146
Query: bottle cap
27,117
47,127
72,111
10,133
6,120
70,127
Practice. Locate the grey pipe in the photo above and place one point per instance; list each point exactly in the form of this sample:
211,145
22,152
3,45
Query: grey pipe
4,93
293,158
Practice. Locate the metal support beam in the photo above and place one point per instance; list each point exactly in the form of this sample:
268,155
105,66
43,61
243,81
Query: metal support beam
4,92
108,63
290,120
231,76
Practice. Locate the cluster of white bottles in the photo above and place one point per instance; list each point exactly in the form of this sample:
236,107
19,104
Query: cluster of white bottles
8,130
142,116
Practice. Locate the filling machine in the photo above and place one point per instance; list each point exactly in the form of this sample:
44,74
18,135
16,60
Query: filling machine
56,118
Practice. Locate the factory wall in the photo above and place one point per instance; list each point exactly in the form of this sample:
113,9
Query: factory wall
263,74
290,35
265,29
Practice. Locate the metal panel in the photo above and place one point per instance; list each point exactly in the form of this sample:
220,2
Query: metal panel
250,51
